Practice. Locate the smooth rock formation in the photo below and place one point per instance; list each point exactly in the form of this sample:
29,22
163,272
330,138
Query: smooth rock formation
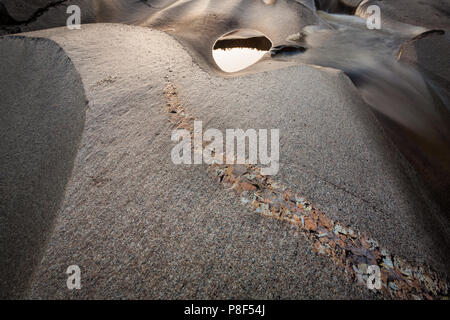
94,184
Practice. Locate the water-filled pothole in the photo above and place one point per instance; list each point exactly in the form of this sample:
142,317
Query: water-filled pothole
240,49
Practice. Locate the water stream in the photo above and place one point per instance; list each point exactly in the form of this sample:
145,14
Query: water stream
411,107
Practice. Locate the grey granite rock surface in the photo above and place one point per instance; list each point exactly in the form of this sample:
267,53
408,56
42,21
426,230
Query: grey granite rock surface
141,227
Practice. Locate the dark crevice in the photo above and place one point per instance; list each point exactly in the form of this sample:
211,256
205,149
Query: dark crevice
337,6
419,37
7,20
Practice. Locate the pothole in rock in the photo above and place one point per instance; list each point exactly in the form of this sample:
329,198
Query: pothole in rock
240,49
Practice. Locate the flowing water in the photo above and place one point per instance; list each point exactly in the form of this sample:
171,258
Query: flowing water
411,107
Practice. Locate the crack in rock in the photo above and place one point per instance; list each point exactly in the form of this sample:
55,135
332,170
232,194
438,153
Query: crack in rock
348,248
